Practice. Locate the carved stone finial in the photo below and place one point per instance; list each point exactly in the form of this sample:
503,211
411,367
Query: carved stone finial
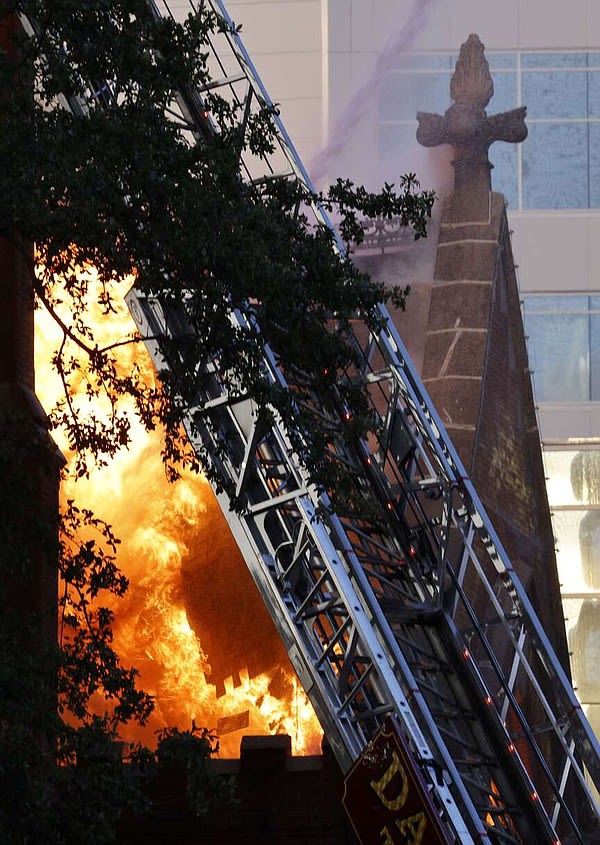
469,130
472,83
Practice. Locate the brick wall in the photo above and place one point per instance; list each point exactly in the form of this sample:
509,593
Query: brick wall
279,799
29,477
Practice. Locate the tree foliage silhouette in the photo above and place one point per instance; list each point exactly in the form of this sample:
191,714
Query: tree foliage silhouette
117,186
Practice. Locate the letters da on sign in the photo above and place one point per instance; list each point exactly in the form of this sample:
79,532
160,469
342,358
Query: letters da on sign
386,798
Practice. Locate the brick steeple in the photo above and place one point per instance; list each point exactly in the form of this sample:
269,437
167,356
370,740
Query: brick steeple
475,363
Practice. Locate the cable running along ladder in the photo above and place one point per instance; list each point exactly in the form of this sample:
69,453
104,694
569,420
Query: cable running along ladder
415,619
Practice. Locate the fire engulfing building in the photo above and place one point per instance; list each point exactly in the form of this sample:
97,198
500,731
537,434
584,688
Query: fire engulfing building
474,363
468,334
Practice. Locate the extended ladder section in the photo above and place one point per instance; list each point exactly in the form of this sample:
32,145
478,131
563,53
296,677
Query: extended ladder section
410,608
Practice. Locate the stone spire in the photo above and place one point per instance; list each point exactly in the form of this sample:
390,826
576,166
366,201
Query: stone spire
475,357
467,127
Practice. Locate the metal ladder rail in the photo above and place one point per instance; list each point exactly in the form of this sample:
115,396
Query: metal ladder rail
451,659
484,786
360,719
284,162
353,691
236,44
479,748
468,515
323,595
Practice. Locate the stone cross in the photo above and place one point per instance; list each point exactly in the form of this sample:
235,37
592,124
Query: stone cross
469,130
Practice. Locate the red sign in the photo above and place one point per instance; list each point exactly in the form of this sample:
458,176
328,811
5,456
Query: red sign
386,797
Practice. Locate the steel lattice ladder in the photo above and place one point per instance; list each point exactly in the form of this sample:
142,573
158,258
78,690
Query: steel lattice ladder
415,614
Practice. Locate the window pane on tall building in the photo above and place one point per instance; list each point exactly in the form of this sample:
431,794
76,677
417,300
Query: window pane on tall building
574,496
559,356
505,172
555,94
505,92
571,59
564,347
593,77
555,166
594,165
569,552
404,94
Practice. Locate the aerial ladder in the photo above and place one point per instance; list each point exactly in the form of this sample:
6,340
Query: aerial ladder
411,624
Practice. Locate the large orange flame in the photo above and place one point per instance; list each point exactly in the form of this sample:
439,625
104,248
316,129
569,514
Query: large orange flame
190,592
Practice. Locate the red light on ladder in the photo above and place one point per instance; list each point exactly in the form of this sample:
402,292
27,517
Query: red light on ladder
466,653
488,700
511,748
